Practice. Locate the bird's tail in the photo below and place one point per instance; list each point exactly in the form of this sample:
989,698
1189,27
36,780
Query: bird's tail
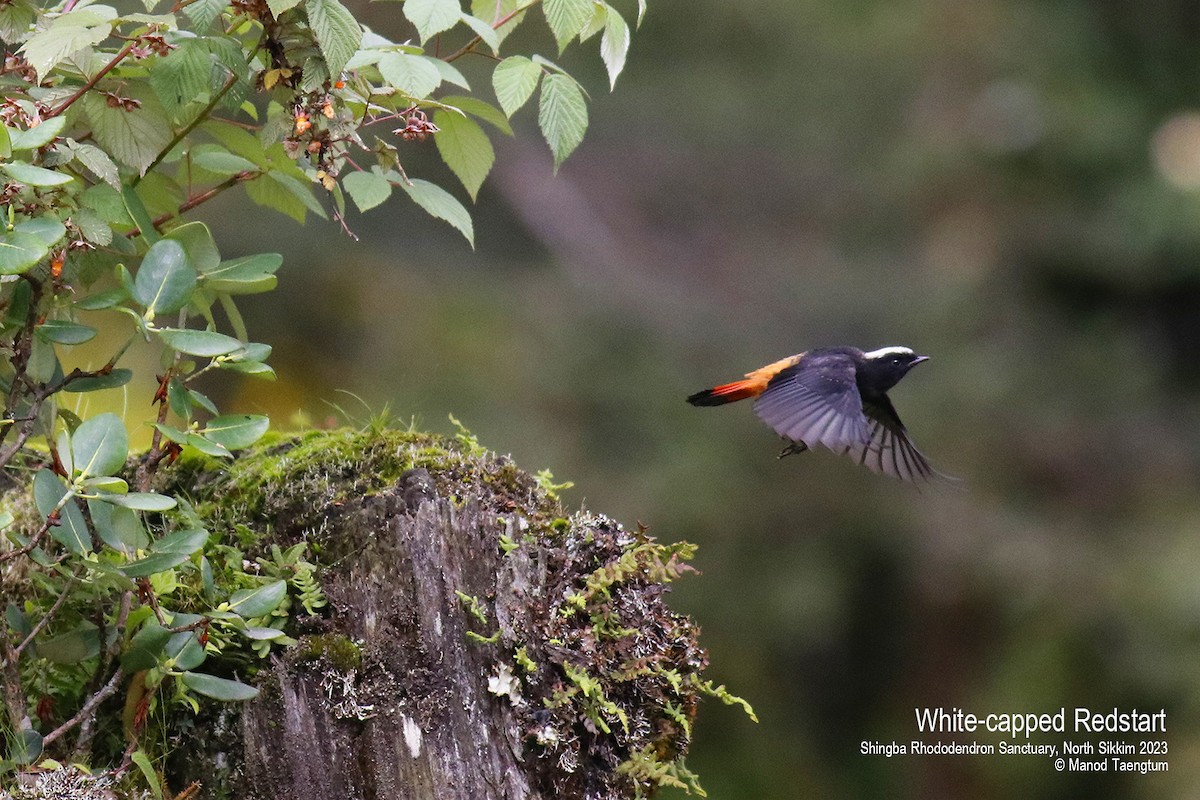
726,393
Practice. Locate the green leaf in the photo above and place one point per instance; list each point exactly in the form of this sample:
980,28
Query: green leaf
16,18
113,380
217,159
204,12
567,18
102,484
279,6
139,501
562,116
48,229
432,16
367,189
184,647
142,760
146,647
139,214
61,39
93,228
71,532
132,137
218,688
514,80
166,278
465,148
614,45
183,76
39,135
449,73
338,34
19,252
263,634
100,445
25,747
441,204
119,528
5,136
72,647
416,76
236,431
205,446
35,176
484,31
63,332
259,601
187,541
492,11
151,564
207,344
199,244
482,109
246,275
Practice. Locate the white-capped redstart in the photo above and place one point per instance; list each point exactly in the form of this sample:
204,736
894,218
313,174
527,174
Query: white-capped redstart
837,397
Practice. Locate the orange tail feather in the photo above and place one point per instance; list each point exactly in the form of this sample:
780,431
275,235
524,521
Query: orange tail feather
726,393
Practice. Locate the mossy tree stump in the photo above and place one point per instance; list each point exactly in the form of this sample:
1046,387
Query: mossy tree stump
477,643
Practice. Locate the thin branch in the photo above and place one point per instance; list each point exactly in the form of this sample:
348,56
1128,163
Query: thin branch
197,199
88,709
47,618
470,46
117,59
191,126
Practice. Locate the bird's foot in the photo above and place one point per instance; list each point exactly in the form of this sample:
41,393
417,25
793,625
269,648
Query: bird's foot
793,448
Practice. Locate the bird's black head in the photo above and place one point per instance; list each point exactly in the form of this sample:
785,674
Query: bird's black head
882,369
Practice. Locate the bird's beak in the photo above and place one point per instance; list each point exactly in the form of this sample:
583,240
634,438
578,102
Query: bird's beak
918,360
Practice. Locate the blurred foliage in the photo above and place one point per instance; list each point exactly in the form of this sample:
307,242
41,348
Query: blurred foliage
1010,187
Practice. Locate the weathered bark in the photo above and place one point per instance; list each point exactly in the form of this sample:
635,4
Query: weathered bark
477,646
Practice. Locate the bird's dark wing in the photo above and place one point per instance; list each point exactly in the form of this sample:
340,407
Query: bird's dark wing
888,449
816,402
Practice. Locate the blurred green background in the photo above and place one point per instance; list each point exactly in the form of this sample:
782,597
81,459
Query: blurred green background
1010,187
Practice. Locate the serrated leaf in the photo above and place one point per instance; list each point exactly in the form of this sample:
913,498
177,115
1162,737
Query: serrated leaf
484,31
100,445
614,45
62,39
367,189
198,243
514,80
114,379
416,76
492,11
19,252
641,11
165,279
183,76
35,176
139,501
562,116
16,18
567,18
48,229
259,601
206,344
151,564
71,532
97,162
235,431
62,331
338,34
441,204
218,160
203,12
481,109
134,138
596,23
465,148
218,688
279,6
93,228
432,16
449,73
38,135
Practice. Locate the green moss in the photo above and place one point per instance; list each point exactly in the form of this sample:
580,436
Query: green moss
340,651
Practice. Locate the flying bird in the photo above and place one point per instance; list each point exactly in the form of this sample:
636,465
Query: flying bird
836,397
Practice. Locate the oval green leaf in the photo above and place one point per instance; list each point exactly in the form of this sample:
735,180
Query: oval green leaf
30,175
251,603
100,445
156,562
140,501
48,229
20,251
206,344
187,541
146,647
114,379
166,278
63,332
235,431
218,688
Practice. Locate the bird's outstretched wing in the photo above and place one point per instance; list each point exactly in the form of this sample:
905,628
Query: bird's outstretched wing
816,402
888,450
